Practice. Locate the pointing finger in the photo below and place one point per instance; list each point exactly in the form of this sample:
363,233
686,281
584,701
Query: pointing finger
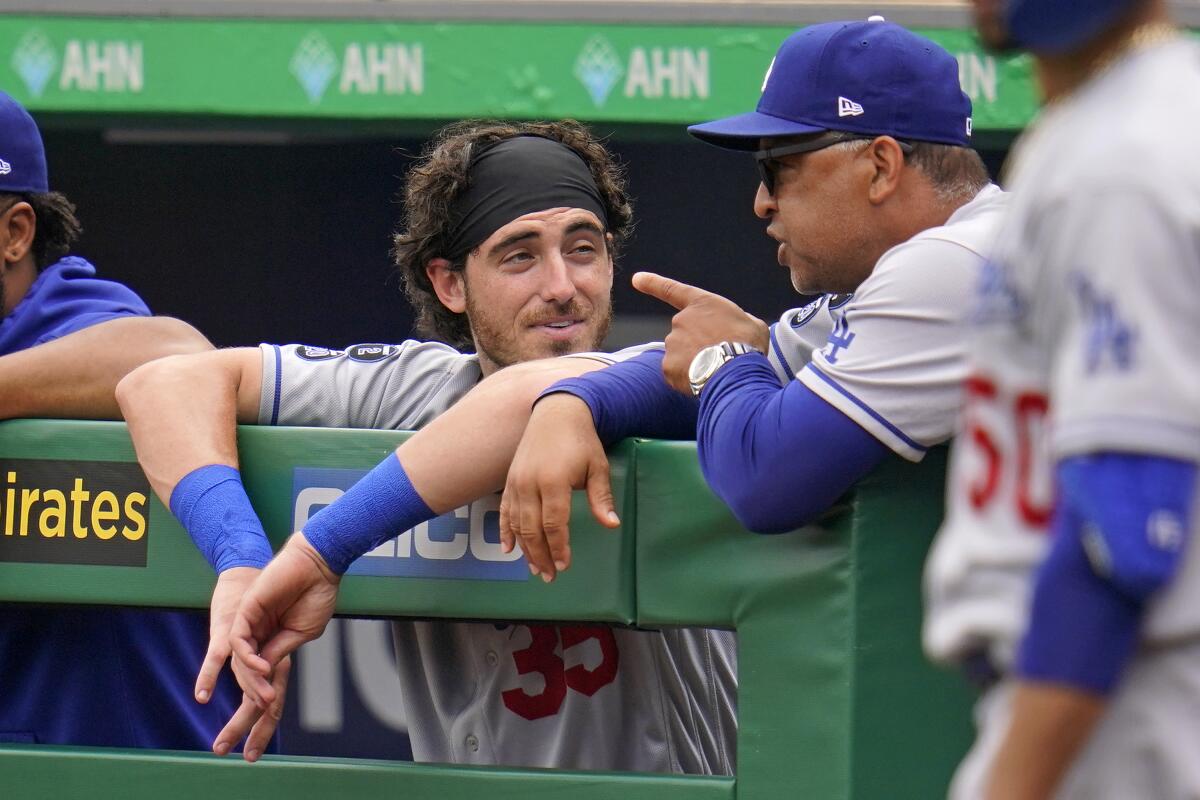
672,292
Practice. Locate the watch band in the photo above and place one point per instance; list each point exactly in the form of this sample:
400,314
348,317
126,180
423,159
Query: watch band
712,358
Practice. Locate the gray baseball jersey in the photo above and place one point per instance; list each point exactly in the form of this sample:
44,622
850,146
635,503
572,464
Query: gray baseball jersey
1085,342
892,356
566,696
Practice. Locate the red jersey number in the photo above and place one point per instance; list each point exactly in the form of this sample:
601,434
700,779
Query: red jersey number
1029,411
540,657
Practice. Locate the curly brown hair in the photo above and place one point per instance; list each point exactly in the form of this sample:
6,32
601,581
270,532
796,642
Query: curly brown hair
440,176
57,227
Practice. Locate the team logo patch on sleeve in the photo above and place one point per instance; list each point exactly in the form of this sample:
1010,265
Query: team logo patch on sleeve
805,313
366,353
839,300
74,512
317,353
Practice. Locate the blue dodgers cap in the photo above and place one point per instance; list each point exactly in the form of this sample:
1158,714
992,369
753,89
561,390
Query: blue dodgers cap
871,77
1060,26
22,158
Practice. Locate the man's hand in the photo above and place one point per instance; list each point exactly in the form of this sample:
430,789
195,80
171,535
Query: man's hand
559,452
704,319
250,719
289,604
227,595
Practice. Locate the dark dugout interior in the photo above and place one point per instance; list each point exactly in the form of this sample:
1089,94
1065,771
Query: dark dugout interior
257,236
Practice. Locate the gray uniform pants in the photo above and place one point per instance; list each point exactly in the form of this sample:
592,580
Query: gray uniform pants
1146,748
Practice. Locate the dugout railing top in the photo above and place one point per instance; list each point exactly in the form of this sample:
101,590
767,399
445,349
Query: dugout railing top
835,699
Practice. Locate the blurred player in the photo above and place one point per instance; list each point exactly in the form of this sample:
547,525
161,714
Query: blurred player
1083,426
66,337
508,248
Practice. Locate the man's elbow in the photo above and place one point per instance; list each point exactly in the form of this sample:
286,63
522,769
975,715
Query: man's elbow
145,382
767,508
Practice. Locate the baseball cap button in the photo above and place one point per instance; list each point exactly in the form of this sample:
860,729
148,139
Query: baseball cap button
876,18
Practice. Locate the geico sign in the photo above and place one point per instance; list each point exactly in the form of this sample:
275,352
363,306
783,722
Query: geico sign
464,543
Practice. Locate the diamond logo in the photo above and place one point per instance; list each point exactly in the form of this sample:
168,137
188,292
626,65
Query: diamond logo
598,68
314,64
35,61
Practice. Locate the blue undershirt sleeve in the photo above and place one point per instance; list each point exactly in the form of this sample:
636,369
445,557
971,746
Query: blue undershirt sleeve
778,456
1121,524
381,506
632,398
211,504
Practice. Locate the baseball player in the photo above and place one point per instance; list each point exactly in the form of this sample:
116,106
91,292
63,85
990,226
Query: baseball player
508,249
1082,426
922,208
65,337
873,193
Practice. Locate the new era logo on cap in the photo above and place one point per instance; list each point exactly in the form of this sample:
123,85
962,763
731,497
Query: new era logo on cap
848,108
5,167
886,80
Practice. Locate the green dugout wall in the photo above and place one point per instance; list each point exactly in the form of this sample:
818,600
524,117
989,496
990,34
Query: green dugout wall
835,700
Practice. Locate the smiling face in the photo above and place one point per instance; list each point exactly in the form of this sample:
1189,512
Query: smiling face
539,286
819,213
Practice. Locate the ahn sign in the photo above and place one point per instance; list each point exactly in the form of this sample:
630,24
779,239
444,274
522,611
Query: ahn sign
463,544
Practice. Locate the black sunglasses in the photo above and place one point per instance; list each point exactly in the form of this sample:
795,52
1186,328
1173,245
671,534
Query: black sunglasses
765,160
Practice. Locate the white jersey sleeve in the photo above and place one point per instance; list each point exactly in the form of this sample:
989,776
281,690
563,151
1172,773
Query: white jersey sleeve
895,360
1125,370
802,331
383,386
608,359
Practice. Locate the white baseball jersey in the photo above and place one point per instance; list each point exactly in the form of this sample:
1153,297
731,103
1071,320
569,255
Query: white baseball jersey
892,355
568,696
1086,341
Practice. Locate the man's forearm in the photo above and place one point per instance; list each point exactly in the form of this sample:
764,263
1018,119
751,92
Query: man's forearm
183,412
75,376
465,453
1049,726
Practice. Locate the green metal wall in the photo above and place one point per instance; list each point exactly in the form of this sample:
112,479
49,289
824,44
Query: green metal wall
835,700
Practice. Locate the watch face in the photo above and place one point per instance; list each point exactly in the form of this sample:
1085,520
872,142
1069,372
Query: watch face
705,364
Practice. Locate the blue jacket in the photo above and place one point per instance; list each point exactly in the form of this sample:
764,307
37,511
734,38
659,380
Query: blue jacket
104,677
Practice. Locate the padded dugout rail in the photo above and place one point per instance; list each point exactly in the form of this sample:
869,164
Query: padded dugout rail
835,699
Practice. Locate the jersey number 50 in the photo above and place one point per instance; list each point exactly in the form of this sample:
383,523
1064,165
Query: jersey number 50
1028,411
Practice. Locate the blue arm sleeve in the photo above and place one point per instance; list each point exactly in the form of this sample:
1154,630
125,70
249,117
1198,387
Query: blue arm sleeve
381,506
778,457
1120,527
211,504
632,398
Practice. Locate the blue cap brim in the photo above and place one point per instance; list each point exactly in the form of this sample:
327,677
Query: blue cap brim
743,131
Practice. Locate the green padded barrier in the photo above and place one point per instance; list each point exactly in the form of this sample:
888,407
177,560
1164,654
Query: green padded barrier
835,699
176,575
66,773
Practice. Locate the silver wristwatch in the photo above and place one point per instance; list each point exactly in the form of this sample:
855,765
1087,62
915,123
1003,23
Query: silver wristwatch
712,358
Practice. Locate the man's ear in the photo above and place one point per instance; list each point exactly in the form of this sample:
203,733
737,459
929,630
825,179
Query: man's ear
17,228
608,246
888,161
449,284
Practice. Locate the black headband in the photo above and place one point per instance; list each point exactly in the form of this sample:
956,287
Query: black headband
515,177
